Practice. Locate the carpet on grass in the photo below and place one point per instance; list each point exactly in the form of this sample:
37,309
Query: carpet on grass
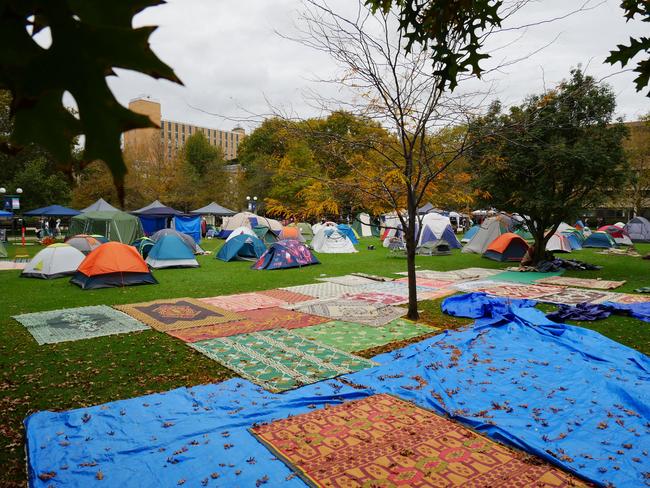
350,336
581,282
252,321
522,380
455,275
628,298
382,440
428,283
178,313
286,296
347,280
280,360
243,301
322,290
373,314
73,324
526,292
393,287
10,265
377,297
472,285
526,277
573,296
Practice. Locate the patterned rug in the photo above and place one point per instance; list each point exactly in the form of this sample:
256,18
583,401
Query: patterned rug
573,296
383,441
280,360
468,286
348,280
529,292
455,275
377,297
581,282
9,265
628,298
73,324
351,310
252,321
243,301
322,290
394,287
286,296
526,277
348,336
428,283
178,313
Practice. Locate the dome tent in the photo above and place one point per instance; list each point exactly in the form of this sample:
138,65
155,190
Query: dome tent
291,232
241,231
143,245
349,232
600,240
558,243
286,254
241,247
189,241
171,251
574,239
506,247
618,234
489,230
55,261
329,240
434,248
84,243
266,234
249,220
470,233
438,230
306,230
111,265
638,229
115,225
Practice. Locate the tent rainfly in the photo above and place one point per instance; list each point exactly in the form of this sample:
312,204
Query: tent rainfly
214,209
100,205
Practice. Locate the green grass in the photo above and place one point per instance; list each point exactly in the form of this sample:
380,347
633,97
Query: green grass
76,374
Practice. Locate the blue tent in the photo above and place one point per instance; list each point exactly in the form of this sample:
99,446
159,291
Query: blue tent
599,239
450,236
52,211
470,233
171,251
143,245
243,246
190,225
347,231
573,239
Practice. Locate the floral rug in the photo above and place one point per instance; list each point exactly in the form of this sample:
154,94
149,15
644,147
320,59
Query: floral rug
280,360
178,313
573,296
73,324
428,283
628,298
322,290
351,310
286,295
348,280
581,282
527,292
349,336
377,297
383,441
243,301
251,321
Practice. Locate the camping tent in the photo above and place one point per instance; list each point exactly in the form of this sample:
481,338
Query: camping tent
599,239
306,230
265,233
196,249
349,233
155,217
247,219
362,225
558,243
490,230
171,251
152,205
506,247
434,248
100,205
638,229
115,225
83,243
143,245
188,224
52,211
214,209
3,250
575,239
426,208
330,240
436,229
618,234
54,261
470,233
291,232
242,246
241,231
112,264
286,254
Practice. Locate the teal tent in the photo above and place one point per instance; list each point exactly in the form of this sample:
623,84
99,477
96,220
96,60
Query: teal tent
599,239
243,246
170,251
264,233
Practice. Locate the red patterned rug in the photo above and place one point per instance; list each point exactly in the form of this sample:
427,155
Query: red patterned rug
253,321
382,441
286,295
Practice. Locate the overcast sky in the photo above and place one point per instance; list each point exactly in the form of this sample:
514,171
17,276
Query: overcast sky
232,62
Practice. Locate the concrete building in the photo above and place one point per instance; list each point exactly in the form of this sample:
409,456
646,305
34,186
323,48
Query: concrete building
170,138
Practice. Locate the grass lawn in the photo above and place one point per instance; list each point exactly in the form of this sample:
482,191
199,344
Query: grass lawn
76,374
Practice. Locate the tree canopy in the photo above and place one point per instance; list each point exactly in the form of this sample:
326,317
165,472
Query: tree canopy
552,156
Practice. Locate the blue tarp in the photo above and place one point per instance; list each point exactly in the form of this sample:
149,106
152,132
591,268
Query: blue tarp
566,394
151,225
189,225
639,311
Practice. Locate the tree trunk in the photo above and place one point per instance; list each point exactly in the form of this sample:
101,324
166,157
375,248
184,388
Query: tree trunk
411,244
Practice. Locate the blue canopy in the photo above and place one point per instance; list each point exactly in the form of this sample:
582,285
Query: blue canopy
52,211
5,215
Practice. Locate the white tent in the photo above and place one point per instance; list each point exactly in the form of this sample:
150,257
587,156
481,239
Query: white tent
366,230
558,243
490,229
329,240
54,261
250,220
436,221
241,230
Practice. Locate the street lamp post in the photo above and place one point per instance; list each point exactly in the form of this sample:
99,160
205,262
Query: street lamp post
252,203
12,202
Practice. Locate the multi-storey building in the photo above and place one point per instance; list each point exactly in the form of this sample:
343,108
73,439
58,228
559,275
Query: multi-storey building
170,138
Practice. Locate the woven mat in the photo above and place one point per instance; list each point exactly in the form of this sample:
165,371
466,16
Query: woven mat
581,282
394,288
348,336
348,280
468,286
427,283
383,441
322,290
73,324
280,360
252,321
527,292
243,301
9,265
455,275
628,298
351,310
573,296
377,297
178,313
526,277
286,296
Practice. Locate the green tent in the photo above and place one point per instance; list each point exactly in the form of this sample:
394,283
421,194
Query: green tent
115,225
265,234
3,250
306,230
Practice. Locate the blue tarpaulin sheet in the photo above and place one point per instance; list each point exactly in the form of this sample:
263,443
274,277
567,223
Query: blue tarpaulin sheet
151,225
189,225
566,394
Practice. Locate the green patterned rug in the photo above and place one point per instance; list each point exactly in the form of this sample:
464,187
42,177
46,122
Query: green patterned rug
73,324
280,360
349,336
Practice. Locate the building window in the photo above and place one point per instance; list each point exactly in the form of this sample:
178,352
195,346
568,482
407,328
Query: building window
169,126
190,129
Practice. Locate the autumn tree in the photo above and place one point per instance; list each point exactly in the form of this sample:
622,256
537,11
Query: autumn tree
636,194
552,156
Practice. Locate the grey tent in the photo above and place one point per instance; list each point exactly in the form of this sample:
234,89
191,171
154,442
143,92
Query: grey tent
490,229
154,204
186,238
100,205
638,229
214,209
426,208
434,248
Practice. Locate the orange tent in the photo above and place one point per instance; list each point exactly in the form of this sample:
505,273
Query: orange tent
291,232
113,264
507,247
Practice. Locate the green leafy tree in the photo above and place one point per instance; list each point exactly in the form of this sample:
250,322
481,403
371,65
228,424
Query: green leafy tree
551,157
